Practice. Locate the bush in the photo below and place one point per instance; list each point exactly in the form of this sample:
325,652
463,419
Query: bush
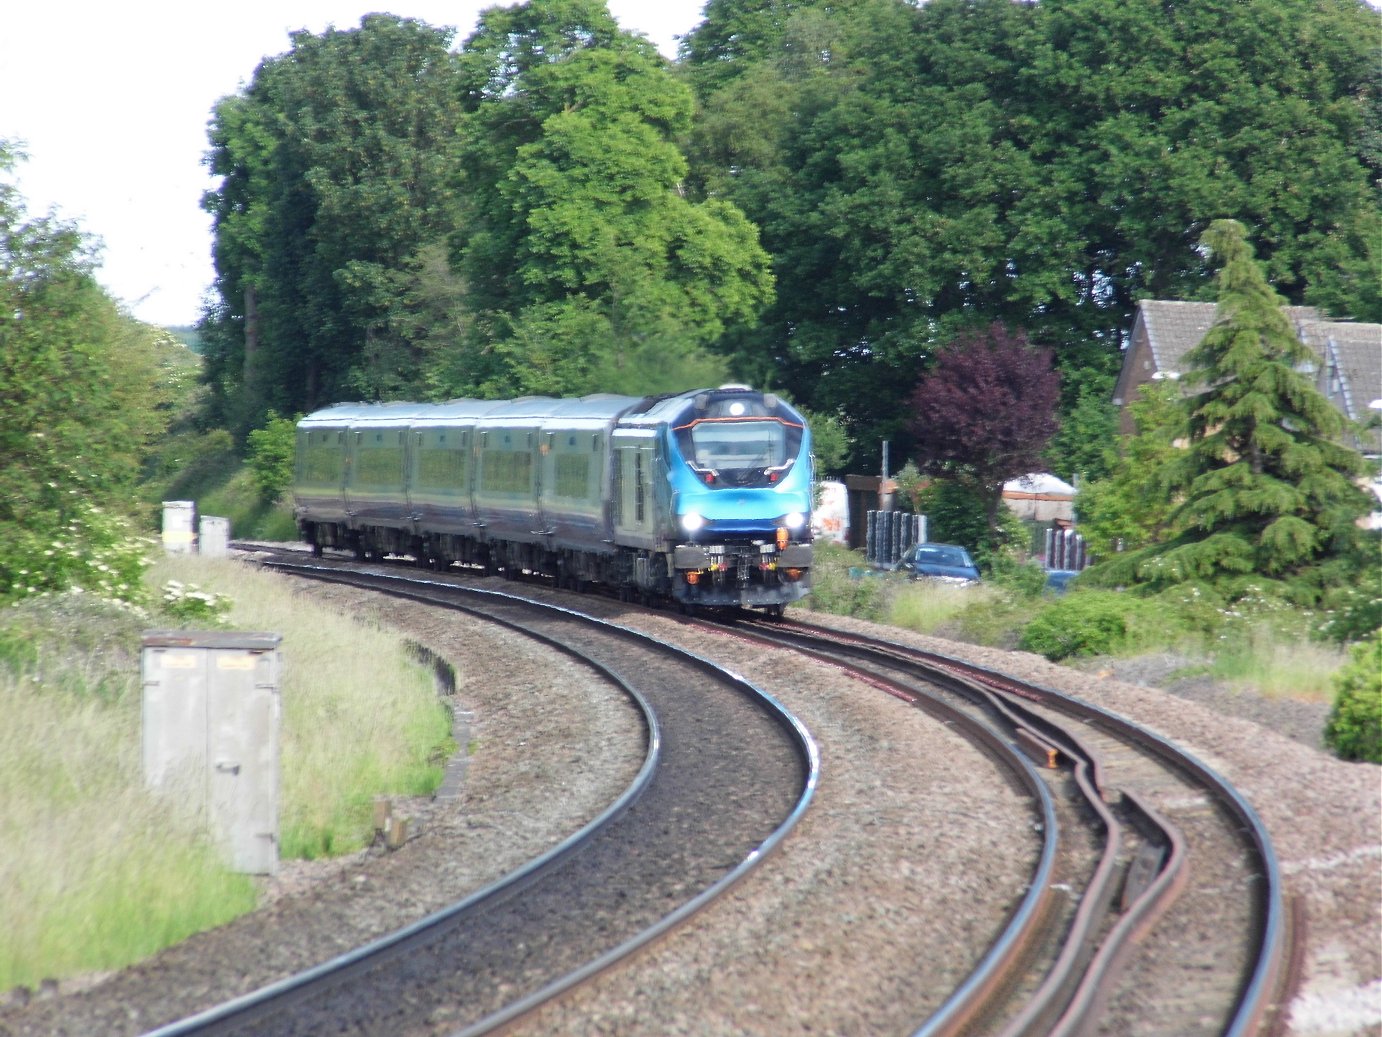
89,551
1097,623
836,591
1026,579
1354,728
271,452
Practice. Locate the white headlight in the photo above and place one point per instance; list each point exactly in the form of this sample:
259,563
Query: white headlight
794,520
692,521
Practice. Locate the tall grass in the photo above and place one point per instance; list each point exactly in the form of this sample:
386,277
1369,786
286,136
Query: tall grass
98,872
360,717
1277,666
930,607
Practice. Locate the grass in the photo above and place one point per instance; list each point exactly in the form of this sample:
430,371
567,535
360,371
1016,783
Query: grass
360,716
1274,657
1265,664
97,871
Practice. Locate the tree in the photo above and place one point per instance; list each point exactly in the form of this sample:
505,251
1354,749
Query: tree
1131,507
586,267
81,400
1043,164
984,414
334,164
1266,494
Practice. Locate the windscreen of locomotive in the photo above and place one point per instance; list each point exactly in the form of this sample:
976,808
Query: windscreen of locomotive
729,445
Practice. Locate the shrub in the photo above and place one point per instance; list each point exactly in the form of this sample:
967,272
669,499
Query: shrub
271,453
1354,728
1026,579
1097,623
836,590
90,551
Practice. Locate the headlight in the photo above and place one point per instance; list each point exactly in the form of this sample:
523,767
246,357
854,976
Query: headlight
794,520
692,521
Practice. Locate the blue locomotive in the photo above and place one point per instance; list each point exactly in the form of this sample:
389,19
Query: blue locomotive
704,496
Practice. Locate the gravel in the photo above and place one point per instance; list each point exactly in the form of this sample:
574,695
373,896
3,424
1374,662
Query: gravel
869,911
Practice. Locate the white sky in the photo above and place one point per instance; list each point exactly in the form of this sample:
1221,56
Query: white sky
110,101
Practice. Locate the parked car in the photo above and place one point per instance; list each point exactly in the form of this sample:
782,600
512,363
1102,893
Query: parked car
1058,579
947,563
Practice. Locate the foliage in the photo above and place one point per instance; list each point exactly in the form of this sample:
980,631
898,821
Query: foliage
112,874
94,552
1354,728
1024,578
931,607
1131,507
234,495
586,267
836,590
1092,623
1265,492
956,514
1044,164
1352,599
334,163
984,414
272,450
189,604
1079,450
829,443
82,391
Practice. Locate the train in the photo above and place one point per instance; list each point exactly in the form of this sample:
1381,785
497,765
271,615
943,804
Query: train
701,497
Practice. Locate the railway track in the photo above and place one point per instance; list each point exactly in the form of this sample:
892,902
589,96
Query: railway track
727,775
1157,908
1097,945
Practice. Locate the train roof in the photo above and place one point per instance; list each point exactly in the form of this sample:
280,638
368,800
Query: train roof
363,413
602,408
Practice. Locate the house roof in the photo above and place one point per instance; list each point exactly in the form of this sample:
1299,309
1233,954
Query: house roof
1039,484
1356,351
1175,328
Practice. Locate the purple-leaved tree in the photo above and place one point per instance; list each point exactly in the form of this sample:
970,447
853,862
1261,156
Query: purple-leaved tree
984,413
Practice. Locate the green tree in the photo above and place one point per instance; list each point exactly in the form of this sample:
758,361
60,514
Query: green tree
82,397
1043,164
1131,507
586,268
334,166
1265,493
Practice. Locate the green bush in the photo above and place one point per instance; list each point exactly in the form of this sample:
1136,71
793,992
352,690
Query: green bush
1026,579
1095,623
1354,728
834,589
271,452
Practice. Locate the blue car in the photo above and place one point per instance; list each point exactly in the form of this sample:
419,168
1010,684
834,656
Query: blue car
946,563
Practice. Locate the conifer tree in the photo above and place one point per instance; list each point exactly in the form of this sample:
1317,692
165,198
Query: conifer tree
1266,493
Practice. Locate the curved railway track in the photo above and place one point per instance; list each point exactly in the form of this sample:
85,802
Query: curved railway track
1154,905
727,775
1157,907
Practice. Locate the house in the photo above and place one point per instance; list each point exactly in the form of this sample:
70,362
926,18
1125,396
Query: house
1041,497
1348,370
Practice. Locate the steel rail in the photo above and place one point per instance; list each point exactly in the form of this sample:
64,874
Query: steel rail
1000,964
242,1010
1271,968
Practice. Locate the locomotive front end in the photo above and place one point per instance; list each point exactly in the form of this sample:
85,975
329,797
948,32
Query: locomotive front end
740,467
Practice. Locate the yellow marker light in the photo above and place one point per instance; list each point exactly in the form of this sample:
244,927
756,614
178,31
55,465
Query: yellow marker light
784,537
